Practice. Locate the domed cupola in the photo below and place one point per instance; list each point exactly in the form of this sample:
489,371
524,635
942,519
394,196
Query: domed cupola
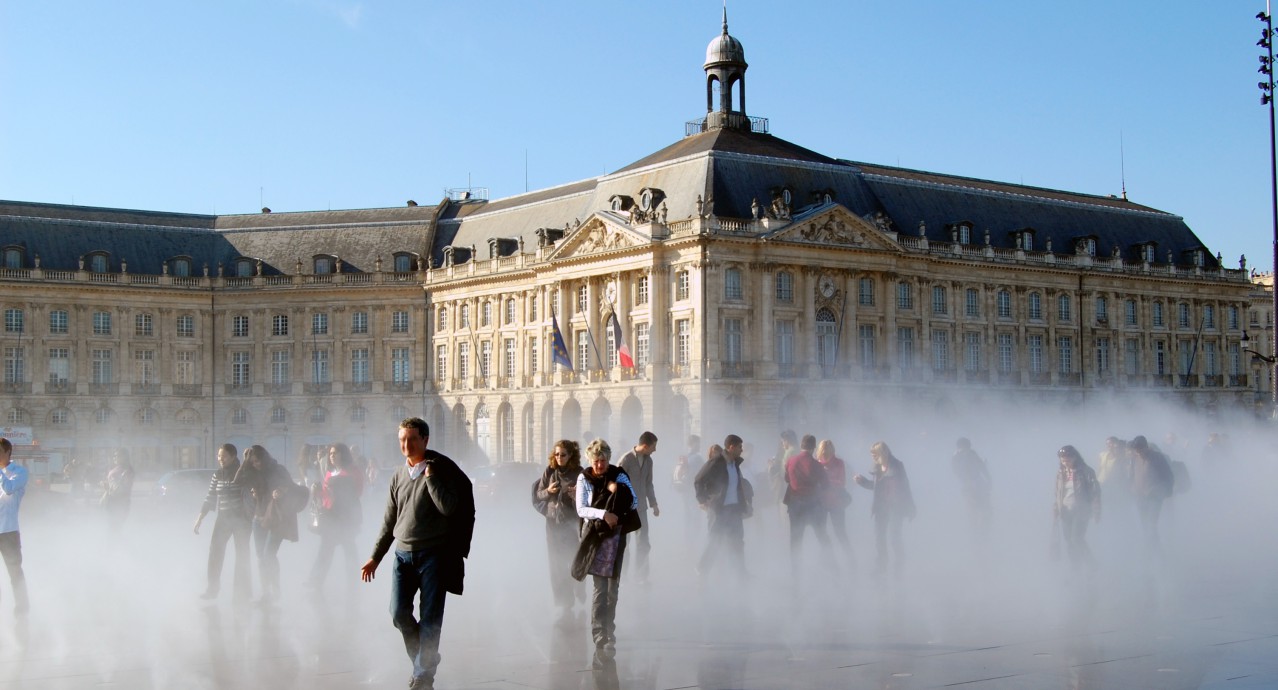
725,69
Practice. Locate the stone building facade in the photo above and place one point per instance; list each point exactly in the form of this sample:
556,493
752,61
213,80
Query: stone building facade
755,284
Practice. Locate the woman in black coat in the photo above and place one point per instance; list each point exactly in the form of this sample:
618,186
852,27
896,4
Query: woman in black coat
554,495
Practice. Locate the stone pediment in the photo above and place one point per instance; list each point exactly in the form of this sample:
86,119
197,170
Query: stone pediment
594,236
835,227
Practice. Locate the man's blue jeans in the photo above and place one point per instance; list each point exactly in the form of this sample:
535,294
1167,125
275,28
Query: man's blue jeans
419,571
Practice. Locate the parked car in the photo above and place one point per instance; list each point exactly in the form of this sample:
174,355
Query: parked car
505,480
183,487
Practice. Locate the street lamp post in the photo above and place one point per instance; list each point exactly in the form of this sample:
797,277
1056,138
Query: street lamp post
1267,98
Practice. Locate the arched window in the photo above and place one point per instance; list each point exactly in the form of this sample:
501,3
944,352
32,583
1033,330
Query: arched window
102,415
827,341
146,416
60,416
188,417
323,264
98,262
318,415
279,415
359,414
404,262
18,415
239,416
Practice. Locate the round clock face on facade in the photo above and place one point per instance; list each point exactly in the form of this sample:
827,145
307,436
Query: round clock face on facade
827,286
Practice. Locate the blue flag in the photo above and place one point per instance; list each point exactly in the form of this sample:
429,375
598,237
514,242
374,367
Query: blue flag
557,345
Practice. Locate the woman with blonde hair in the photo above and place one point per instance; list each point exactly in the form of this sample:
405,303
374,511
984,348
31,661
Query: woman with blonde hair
893,504
606,502
554,496
837,497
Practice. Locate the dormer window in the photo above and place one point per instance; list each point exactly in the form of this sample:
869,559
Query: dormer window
181,267
13,257
98,262
244,268
961,233
323,264
1086,245
621,203
1024,239
1148,253
404,262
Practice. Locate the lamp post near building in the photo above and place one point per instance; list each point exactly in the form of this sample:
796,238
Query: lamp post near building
1267,98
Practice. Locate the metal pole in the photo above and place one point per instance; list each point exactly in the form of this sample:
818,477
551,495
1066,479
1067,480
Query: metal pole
1273,178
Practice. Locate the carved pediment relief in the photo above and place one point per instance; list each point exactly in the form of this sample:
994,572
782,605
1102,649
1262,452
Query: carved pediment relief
595,236
835,227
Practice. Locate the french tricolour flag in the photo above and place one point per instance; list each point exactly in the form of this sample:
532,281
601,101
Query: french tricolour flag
623,352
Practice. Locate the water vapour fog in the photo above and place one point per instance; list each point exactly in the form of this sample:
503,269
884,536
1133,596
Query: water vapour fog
122,609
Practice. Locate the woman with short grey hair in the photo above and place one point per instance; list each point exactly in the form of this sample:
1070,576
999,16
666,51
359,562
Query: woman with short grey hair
606,503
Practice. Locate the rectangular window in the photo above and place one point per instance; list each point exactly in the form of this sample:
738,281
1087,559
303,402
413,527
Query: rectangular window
143,325
641,291
508,315
1102,356
534,355
360,366
904,296
1063,310
610,348
441,363
1235,359
1065,354
1004,302
101,372
144,368
240,369
905,347
59,366
1182,315
583,352
732,284
399,322
319,367
1131,356
940,350
1102,310
359,323
281,367
532,309
865,334
583,299
101,323
1209,317
15,365
642,350
683,342
972,303
184,369
508,358
681,285
1186,357
1035,345
486,359
58,321
940,300
1211,361
1233,318
401,366
239,326
733,334
972,351
319,323
485,316
14,321
1129,312
1160,357
1157,313
865,293
1006,353
785,287
1035,306
785,343
186,326
279,325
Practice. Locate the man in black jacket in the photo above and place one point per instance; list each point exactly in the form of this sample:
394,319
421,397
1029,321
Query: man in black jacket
725,493
430,517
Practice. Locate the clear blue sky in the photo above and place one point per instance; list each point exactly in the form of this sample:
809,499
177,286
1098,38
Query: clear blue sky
219,107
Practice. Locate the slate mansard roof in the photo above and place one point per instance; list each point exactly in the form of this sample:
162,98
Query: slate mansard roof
727,169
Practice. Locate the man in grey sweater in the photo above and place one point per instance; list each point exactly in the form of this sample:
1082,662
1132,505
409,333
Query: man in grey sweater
430,516
638,465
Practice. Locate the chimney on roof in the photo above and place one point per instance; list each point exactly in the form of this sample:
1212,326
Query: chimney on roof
411,203
265,210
